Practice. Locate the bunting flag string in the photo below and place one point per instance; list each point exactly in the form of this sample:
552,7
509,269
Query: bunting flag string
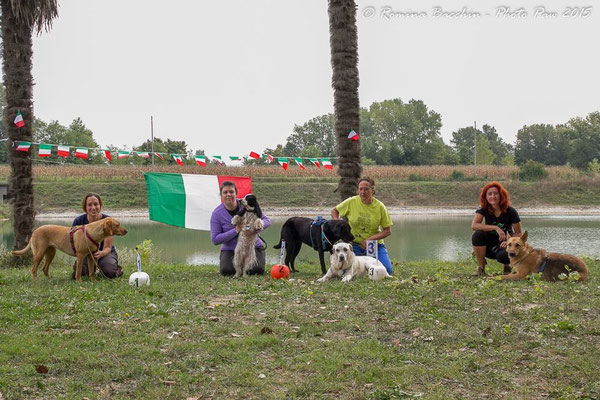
45,150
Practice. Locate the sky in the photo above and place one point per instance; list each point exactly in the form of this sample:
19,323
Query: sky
234,77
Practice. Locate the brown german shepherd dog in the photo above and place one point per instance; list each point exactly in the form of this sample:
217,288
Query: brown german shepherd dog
526,260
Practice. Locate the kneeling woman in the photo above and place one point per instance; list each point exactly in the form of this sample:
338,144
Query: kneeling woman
368,219
224,233
106,256
493,221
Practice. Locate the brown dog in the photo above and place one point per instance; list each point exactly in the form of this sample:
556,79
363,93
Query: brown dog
79,241
526,260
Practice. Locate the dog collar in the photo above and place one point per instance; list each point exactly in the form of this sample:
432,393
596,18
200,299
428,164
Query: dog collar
544,264
75,229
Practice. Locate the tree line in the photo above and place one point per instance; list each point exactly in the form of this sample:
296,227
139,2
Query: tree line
394,132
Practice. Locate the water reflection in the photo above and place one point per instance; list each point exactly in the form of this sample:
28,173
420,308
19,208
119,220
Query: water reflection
413,238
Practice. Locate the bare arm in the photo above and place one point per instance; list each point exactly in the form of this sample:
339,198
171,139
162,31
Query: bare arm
335,214
380,235
108,243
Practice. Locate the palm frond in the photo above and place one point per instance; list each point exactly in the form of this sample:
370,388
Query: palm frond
35,13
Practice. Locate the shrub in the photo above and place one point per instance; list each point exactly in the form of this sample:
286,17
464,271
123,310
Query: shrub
532,171
457,175
594,167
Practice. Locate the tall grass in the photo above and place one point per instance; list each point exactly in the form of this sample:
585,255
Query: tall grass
384,173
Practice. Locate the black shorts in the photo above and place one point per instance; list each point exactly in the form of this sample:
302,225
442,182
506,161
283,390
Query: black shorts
491,241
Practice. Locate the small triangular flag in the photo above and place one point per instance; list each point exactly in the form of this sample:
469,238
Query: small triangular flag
353,135
19,122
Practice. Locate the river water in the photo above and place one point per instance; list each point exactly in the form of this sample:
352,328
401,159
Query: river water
413,238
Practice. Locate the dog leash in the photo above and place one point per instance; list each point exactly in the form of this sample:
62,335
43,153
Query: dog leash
319,222
86,236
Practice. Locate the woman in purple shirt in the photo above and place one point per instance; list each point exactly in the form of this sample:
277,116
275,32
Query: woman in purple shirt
224,233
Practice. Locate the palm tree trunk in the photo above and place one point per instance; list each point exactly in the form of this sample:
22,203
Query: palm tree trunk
18,80
344,62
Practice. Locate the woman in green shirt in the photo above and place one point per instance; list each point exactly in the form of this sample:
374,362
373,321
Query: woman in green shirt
368,219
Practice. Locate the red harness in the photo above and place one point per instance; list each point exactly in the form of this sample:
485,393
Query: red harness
75,229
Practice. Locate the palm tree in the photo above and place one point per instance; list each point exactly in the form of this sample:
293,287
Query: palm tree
19,20
343,40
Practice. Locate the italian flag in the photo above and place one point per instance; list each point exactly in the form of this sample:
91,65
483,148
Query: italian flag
188,200
315,161
177,159
142,154
218,159
123,154
107,155
353,135
326,163
283,162
235,158
254,155
269,157
201,160
19,122
23,146
299,162
62,151
45,150
159,155
81,152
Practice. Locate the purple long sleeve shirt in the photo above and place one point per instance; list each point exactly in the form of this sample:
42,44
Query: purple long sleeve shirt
223,232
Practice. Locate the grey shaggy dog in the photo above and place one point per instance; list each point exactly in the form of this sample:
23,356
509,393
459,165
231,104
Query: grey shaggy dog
248,223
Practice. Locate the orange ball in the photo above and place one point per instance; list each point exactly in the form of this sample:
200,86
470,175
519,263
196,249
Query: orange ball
280,271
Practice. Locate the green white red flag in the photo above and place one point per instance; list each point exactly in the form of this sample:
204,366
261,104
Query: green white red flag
123,154
283,161
218,159
81,152
299,162
45,150
254,155
353,135
159,155
107,155
19,122
200,160
326,163
63,151
188,200
23,146
177,159
235,158
143,154
315,161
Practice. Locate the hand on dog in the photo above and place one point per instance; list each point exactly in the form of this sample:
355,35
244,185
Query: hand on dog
501,234
100,253
503,244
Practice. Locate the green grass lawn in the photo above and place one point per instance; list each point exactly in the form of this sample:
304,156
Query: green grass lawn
433,332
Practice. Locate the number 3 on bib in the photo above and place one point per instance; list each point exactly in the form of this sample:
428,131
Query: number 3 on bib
372,248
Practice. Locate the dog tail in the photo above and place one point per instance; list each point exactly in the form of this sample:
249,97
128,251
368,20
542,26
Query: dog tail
22,252
278,245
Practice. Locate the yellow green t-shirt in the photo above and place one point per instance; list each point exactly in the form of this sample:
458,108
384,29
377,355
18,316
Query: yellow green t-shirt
365,219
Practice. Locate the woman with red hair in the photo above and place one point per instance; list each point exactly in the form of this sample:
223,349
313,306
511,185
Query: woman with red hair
493,221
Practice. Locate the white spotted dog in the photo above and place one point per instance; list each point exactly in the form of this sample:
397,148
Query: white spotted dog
344,264
249,223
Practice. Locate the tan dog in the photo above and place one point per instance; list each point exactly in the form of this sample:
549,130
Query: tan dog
526,260
85,241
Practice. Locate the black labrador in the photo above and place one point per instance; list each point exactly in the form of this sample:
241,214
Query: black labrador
298,230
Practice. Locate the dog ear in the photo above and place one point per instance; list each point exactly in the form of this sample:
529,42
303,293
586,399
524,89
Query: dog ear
524,237
257,210
108,226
